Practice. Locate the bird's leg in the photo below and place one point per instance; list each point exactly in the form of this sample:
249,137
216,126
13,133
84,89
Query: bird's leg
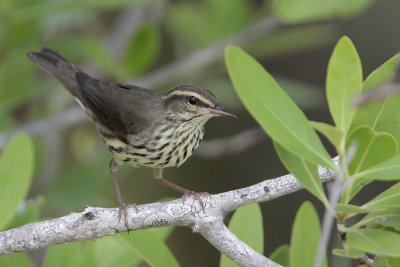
186,192
122,205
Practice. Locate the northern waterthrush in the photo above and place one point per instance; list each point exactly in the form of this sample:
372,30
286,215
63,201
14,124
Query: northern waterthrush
139,126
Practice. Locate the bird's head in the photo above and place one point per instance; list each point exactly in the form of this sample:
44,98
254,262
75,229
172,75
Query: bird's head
190,103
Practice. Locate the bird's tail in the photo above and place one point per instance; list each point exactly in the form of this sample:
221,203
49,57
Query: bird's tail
55,64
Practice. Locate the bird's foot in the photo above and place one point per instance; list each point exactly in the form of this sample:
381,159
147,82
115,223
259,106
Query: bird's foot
196,196
123,211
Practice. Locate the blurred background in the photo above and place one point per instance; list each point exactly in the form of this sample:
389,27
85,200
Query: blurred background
161,44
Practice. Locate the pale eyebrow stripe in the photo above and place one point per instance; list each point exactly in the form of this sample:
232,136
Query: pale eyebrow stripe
200,97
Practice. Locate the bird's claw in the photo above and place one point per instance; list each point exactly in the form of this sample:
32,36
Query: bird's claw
196,195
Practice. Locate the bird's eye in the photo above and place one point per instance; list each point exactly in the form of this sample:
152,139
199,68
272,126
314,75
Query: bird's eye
193,100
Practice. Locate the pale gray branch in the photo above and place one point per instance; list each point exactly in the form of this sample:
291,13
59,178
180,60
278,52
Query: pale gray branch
94,223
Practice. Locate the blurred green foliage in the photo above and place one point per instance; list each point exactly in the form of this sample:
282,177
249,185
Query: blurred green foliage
71,172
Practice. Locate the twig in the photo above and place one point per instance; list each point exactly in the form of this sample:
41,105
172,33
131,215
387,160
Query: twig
94,223
208,55
234,144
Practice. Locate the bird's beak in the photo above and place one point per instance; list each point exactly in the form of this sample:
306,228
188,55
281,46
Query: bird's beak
219,111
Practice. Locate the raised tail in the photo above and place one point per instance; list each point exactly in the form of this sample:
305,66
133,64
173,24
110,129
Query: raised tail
55,64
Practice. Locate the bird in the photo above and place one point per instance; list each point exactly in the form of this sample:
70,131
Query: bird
139,126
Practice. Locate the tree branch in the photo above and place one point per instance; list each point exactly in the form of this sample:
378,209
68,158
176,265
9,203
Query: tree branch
94,223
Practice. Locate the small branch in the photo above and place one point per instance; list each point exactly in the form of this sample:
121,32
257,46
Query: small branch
94,223
231,145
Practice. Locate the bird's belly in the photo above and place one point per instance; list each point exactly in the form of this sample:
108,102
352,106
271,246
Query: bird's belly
154,154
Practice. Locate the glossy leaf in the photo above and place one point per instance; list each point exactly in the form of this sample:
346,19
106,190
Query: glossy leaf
372,148
387,170
273,109
281,255
379,114
349,208
378,216
390,198
305,172
16,170
306,234
343,82
333,134
152,249
348,253
247,225
375,241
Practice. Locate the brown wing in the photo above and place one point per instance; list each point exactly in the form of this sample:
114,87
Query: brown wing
123,109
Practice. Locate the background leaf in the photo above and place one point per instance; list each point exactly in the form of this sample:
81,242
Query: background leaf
17,260
375,241
333,134
16,169
306,233
281,255
390,198
277,114
150,247
311,10
372,148
379,114
387,170
247,225
64,255
142,49
304,171
343,82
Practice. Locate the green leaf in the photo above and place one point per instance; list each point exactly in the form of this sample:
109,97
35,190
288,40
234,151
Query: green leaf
297,11
277,114
378,217
65,255
343,82
142,49
379,114
383,261
28,212
372,148
387,170
247,225
349,208
348,253
306,234
305,172
118,254
333,134
17,260
150,248
390,198
16,170
281,255
382,74
375,241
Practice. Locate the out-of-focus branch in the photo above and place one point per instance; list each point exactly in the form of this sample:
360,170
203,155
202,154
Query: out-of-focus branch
206,56
230,145
196,60
205,218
